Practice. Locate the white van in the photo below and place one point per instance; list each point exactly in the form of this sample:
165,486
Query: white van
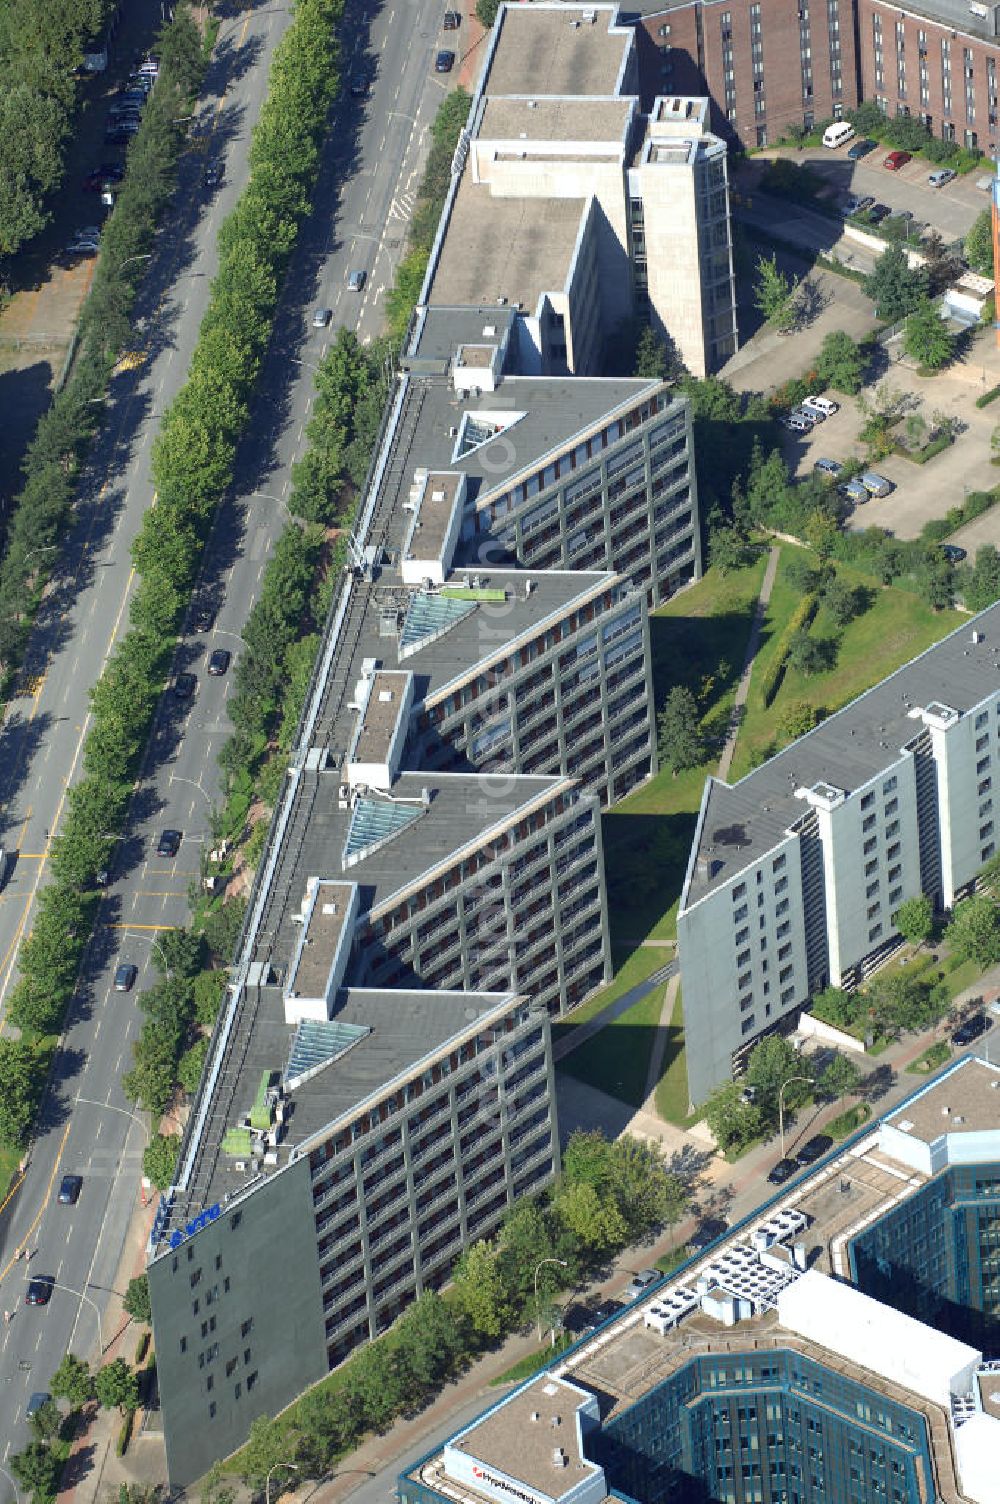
837,133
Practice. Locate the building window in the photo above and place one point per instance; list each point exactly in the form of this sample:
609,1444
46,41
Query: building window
868,800
211,1411
874,933
870,845
746,1027
739,891
895,895
890,784
868,823
778,863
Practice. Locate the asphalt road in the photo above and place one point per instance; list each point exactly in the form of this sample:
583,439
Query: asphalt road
376,154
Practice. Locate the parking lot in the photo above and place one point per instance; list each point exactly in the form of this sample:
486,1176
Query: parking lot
921,492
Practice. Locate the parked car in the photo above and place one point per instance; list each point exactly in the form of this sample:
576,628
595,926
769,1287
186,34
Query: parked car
356,280
861,148
213,174
40,1289
120,132
444,62
875,484
359,86
783,1170
953,553
203,618
795,424
972,1028
69,1190
854,491
814,1148
218,662
185,686
824,405
169,843
321,317
828,467
38,1399
108,173
897,159
125,976
811,414
940,176
706,1232
641,1282
452,20
878,212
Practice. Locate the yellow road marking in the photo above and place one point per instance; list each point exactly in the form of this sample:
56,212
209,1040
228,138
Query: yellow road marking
45,1201
124,925
24,827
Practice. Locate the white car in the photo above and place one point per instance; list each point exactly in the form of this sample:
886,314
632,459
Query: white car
821,405
941,176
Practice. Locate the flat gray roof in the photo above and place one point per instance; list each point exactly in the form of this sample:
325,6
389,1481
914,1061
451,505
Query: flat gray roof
321,939
970,1093
434,513
741,822
530,1427
545,49
551,119
490,630
516,248
441,330
381,714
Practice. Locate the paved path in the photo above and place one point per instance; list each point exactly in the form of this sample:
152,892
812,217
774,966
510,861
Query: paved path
743,688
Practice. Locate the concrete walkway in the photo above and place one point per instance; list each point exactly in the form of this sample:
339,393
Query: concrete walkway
743,688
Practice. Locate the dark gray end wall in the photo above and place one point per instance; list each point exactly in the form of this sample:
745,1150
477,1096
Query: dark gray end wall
256,1263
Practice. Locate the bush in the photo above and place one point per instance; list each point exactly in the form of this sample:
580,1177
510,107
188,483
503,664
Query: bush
125,1434
988,397
921,456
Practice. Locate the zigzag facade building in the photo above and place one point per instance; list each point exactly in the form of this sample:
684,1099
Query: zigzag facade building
379,1085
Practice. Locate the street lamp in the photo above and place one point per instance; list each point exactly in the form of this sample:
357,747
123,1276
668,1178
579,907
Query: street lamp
781,1106
158,944
92,1303
47,549
267,496
144,257
538,1268
267,1481
109,1107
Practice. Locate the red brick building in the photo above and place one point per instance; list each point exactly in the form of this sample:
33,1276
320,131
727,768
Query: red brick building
767,64
938,63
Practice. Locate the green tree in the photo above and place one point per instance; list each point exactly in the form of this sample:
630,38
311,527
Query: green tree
159,1159
734,1121
841,1077
525,1241
728,549
480,1290
656,355
797,718
979,244
774,294
679,737
914,919
430,1344
895,288
841,600
191,1065
486,12
222,928
927,338
841,1009
772,1063
807,654
266,1445
974,933
840,362
37,1469
136,1300
208,991
983,588
46,1421
594,1220
179,951
73,1381
23,1070
32,130
116,1386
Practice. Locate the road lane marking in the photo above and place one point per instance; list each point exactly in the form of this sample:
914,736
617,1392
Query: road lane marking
45,1201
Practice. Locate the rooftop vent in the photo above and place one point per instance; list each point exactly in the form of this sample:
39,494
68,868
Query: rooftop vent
329,909
535,1415
945,1112
385,696
556,1420
977,636
559,1458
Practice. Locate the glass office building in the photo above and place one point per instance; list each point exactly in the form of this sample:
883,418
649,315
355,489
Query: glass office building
764,1427
936,1255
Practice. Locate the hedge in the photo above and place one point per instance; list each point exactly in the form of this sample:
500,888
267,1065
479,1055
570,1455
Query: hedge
988,397
125,1434
921,456
975,504
799,621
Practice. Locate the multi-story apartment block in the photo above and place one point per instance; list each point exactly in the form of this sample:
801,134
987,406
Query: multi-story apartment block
766,65
765,1370
797,871
379,1085
936,61
578,211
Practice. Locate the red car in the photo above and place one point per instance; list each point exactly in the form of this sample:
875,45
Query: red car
897,159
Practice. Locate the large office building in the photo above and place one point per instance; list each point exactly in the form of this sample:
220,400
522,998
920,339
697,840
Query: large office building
797,870
763,1371
378,1089
579,210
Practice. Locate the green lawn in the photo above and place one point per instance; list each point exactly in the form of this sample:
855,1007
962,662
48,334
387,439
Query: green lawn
638,965
534,1361
897,626
698,639
616,1060
672,1088
933,1056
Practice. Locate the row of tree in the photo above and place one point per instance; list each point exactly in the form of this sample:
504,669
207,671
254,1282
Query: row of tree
50,957
609,1195
114,1386
192,466
41,48
50,470
777,1079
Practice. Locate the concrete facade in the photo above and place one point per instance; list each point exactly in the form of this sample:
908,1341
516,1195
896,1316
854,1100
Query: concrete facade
797,871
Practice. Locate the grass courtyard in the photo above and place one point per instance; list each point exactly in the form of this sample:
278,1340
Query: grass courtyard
699,639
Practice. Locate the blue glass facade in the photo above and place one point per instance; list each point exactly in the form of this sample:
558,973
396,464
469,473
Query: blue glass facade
936,1256
764,1427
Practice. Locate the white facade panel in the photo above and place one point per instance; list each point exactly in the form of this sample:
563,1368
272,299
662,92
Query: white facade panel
876,1337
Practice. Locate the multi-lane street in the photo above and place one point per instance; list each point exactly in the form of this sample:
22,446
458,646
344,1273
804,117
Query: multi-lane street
366,190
